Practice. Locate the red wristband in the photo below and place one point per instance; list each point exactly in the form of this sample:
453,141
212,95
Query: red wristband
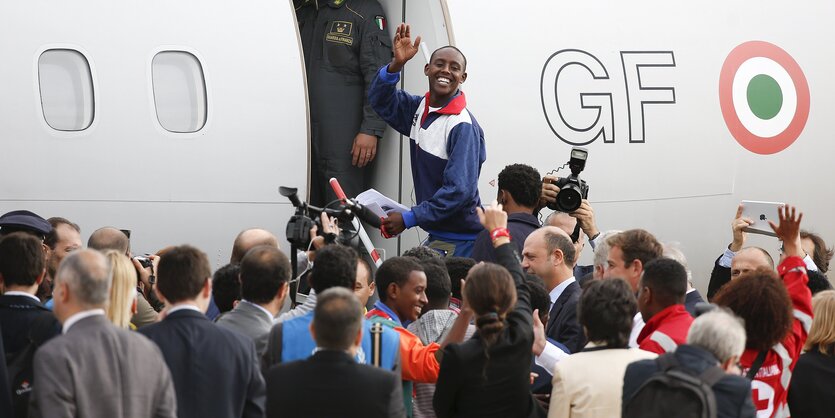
498,233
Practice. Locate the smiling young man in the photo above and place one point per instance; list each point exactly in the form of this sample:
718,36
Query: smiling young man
447,147
401,284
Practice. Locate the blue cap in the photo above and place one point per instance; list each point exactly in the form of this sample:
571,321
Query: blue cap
24,220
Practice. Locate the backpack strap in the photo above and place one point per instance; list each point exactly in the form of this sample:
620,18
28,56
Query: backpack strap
712,375
755,367
666,362
376,344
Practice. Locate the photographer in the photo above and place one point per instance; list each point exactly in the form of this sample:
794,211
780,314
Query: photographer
147,305
583,220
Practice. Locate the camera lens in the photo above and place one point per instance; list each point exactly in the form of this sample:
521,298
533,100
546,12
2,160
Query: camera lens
569,198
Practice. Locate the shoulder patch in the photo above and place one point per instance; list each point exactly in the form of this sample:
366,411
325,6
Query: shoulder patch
380,21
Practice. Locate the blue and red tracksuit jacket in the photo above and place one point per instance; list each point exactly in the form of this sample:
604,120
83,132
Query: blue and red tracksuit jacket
447,151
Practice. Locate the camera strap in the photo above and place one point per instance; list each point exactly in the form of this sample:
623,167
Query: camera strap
376,344
575,235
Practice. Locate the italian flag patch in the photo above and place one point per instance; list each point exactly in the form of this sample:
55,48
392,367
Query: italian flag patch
381,22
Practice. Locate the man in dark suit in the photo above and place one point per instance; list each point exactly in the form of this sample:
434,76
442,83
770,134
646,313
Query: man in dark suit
550,255
25,322
716,339
96,369
352,389
215,371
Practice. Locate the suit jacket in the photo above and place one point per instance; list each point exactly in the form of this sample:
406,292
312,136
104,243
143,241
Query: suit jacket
215,371
343,388
5,391
589,384
99,370
563,326
26,325
17,314
733,393
248,320
811,393
462,390
718,277
691,300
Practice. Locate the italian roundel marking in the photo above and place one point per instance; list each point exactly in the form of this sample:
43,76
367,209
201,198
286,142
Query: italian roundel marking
764,97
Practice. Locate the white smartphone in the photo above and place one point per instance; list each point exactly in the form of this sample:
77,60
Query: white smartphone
761,213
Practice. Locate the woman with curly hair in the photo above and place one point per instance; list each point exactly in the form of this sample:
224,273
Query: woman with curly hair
489,375
811,393
778,313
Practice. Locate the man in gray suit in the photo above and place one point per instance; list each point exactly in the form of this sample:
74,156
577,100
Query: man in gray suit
96,369
265,273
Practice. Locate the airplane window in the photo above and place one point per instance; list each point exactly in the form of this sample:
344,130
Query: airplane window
179,91
66,87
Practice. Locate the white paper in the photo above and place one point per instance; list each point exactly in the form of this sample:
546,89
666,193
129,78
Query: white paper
380,204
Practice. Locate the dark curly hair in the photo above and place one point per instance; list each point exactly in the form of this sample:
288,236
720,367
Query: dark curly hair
523,183
421,253
606,310
760,298
821,255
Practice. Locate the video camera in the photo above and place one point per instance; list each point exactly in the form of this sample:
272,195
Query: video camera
299,225
572,189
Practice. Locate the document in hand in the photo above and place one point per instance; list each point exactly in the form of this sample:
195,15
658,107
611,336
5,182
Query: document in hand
380,204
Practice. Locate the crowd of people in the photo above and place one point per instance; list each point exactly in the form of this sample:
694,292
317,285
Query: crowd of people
520,335
493,317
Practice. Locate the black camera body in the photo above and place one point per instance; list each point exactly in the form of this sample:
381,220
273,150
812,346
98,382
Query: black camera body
572,188
145,262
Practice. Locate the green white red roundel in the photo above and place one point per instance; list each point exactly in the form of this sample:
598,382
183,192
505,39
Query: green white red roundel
764,97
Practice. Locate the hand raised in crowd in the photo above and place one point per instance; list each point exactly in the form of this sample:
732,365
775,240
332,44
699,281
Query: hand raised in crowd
549,191
403,48
364,150
329,226
539,340
738,227
788,230
393,224
493,216
145,273
585,217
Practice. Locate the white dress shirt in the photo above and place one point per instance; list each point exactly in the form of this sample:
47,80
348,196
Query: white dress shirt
557,291
79,316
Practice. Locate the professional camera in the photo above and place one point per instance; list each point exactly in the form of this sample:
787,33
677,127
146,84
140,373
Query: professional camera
145,262
298,227
572,189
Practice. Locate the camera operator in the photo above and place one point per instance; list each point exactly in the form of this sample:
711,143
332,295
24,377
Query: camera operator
581,219
148,305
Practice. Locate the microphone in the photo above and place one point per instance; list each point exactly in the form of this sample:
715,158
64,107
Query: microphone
365,214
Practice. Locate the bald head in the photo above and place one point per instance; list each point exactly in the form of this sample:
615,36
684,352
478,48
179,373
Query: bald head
108,238
87,276
750,258
549,254
568,224
562,221
249,239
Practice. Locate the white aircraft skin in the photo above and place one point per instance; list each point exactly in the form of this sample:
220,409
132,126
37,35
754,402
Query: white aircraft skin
636,83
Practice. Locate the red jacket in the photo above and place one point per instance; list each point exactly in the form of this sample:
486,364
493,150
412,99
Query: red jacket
771,384
666,330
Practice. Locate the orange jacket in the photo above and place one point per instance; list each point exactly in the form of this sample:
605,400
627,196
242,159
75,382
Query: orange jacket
418,362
